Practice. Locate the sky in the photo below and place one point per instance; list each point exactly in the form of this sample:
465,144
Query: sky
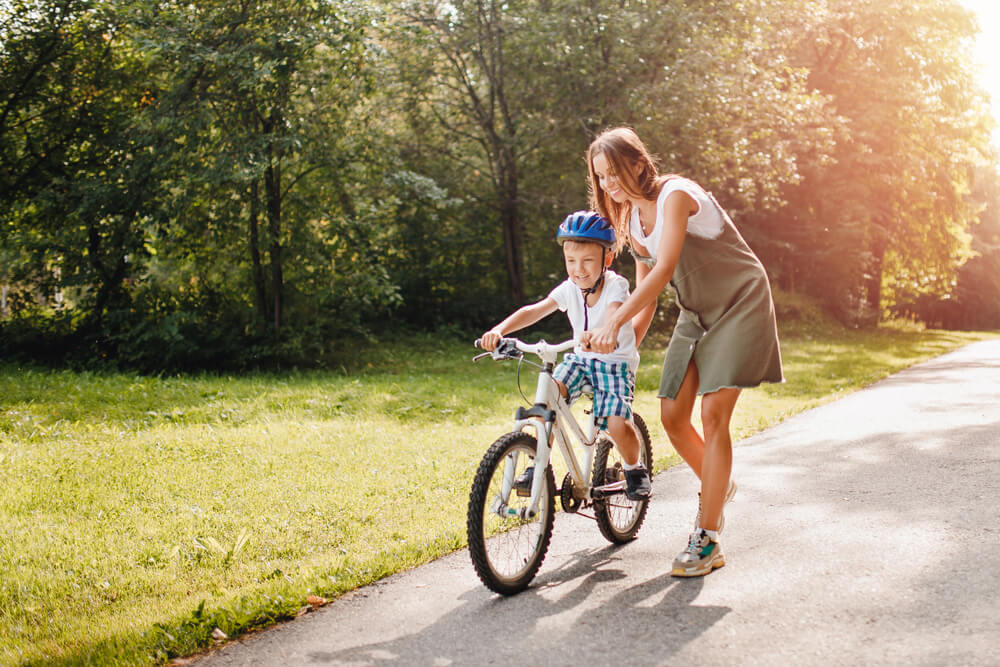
987,52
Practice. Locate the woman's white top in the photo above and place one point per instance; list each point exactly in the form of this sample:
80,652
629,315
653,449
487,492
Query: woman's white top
707,222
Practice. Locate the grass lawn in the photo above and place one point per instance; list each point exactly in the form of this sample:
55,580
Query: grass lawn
138,514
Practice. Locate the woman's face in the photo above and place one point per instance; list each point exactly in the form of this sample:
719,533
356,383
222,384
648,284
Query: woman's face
607,180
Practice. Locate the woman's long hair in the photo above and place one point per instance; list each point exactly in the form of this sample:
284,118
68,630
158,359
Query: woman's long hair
634,167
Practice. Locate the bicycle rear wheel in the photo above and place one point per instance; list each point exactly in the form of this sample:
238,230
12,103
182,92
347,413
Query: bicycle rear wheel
618,517
507,550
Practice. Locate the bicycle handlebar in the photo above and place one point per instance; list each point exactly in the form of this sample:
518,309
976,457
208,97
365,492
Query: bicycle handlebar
507,346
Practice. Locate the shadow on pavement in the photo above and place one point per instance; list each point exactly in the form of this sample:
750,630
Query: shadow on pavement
518,629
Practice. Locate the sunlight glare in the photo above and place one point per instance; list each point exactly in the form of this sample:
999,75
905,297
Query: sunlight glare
987,53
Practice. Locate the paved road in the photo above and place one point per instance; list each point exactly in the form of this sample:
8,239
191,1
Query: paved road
866,531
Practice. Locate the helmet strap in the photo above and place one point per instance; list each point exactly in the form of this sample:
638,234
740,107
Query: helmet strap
593,288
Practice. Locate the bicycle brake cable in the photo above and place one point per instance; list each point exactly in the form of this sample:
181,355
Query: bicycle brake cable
521,360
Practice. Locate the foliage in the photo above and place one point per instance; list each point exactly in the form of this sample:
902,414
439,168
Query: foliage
885,216
78,165
972,301
231,185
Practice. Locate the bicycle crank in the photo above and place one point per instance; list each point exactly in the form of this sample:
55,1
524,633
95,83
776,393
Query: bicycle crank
571,500
600,492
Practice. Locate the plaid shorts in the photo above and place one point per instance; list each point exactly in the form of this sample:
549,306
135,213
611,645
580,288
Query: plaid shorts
612,385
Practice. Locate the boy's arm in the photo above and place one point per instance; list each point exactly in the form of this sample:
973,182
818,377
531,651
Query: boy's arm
524,316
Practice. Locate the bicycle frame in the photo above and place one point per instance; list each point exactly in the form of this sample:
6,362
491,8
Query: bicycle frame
510,522
552,418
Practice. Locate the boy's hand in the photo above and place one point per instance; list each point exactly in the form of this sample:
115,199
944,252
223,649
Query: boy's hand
490,340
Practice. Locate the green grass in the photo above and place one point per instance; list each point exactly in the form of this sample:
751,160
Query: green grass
138,514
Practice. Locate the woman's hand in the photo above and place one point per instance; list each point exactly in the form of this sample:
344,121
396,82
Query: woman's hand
603,340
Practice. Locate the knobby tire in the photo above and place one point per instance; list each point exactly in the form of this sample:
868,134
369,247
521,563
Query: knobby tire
618,517
506,551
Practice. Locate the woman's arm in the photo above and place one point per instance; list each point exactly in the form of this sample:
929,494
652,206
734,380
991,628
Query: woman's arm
640,323
676,210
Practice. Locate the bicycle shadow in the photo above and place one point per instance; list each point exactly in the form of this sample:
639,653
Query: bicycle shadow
564,616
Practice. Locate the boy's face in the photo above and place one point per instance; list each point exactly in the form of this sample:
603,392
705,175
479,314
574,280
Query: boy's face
583,262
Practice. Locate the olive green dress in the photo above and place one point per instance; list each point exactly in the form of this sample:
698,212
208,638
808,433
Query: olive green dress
727,323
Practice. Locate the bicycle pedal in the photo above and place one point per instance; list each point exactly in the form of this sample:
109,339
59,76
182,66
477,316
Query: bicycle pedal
522,485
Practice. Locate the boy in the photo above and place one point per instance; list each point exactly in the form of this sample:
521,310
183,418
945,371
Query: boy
591,293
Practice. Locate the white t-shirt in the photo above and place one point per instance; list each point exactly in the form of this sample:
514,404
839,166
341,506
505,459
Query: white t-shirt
569,298
707,222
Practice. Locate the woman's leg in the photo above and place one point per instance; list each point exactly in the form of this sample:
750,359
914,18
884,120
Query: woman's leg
675,414
716,413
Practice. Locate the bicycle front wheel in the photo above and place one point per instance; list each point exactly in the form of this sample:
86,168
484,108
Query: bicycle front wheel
618,517
506,548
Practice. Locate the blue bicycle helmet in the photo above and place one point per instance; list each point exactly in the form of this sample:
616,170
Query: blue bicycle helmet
586,226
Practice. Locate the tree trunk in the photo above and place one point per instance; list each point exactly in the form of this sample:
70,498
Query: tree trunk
110,279
260,288
272,187
510,221
873,284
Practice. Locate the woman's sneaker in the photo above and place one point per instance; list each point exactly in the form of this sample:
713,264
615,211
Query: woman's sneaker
702,555
730,492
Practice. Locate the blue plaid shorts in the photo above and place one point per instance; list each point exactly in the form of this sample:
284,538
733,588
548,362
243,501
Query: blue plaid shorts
612,385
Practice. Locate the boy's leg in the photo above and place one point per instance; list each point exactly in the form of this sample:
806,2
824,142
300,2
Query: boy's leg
571,377
625,438
638,485
563,389
614,386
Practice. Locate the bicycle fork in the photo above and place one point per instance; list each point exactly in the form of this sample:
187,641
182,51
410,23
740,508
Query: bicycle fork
542,454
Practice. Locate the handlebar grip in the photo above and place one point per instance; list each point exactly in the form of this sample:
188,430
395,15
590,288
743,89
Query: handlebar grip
478,343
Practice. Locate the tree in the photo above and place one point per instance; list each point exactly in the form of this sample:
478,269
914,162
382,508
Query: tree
76,165
461,64
889,216
973,301
518,93
261,95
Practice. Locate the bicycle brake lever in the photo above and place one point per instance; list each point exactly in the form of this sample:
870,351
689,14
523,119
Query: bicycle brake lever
507,349
481,356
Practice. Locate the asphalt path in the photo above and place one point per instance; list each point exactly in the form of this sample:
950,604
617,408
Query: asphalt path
865,531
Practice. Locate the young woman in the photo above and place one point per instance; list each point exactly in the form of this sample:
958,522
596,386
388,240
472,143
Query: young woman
726,336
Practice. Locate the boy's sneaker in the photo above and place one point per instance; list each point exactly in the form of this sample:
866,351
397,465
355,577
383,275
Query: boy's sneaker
637,484
702,555
522,483
730,492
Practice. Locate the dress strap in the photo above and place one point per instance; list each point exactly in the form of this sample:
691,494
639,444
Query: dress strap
648,261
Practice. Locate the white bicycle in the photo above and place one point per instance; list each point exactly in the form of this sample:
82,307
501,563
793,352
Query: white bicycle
511,512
